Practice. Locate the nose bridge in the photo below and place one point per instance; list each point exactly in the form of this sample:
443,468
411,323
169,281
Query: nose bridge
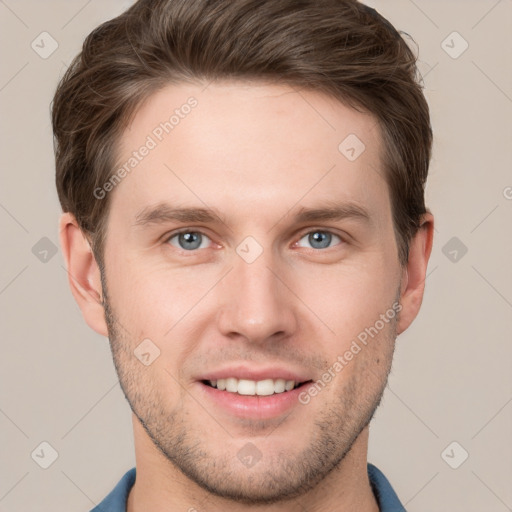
256,304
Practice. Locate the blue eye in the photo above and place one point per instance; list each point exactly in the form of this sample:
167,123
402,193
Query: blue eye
320,239
192,240
189,240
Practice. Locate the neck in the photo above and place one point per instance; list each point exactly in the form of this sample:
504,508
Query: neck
161,487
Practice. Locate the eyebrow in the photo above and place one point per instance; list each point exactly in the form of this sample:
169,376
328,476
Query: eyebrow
333,211
165,213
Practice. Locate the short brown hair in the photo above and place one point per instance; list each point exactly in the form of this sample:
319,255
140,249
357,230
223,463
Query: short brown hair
339,47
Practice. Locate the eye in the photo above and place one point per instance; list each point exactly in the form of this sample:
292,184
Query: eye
320,239
189,240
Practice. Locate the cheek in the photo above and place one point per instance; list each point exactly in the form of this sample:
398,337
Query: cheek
349,298
161,303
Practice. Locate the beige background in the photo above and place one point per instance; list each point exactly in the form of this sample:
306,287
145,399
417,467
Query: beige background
452,377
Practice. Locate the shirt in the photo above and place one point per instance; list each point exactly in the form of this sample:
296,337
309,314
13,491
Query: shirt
384,494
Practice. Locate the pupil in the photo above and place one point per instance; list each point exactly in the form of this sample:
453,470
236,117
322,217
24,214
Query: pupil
189,240
320,239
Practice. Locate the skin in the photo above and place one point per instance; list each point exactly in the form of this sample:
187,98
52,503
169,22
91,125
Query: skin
257,153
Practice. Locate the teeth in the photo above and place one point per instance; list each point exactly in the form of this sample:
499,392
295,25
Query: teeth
265,387
280,385
290,384
232,385
248,387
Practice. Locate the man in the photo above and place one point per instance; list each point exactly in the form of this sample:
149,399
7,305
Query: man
243,193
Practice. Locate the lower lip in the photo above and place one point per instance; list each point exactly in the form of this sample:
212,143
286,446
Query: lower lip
253,407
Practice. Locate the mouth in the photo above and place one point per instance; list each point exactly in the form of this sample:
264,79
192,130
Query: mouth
249,399
246,387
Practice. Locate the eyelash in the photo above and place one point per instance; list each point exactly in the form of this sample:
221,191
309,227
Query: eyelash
169,237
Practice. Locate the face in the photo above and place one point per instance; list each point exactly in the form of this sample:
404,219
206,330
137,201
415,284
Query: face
248,250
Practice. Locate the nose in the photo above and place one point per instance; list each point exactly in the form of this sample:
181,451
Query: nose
256,303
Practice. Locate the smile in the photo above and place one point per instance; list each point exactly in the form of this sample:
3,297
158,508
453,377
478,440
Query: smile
251,399
248,387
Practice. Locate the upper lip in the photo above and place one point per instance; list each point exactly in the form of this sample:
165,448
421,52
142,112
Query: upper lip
256,374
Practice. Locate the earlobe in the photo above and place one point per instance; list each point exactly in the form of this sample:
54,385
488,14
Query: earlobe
83,273
413,278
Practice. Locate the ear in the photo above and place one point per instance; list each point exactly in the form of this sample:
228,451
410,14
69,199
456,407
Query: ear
83,273
413,276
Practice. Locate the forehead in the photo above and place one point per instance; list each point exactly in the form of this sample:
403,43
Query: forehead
248,147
